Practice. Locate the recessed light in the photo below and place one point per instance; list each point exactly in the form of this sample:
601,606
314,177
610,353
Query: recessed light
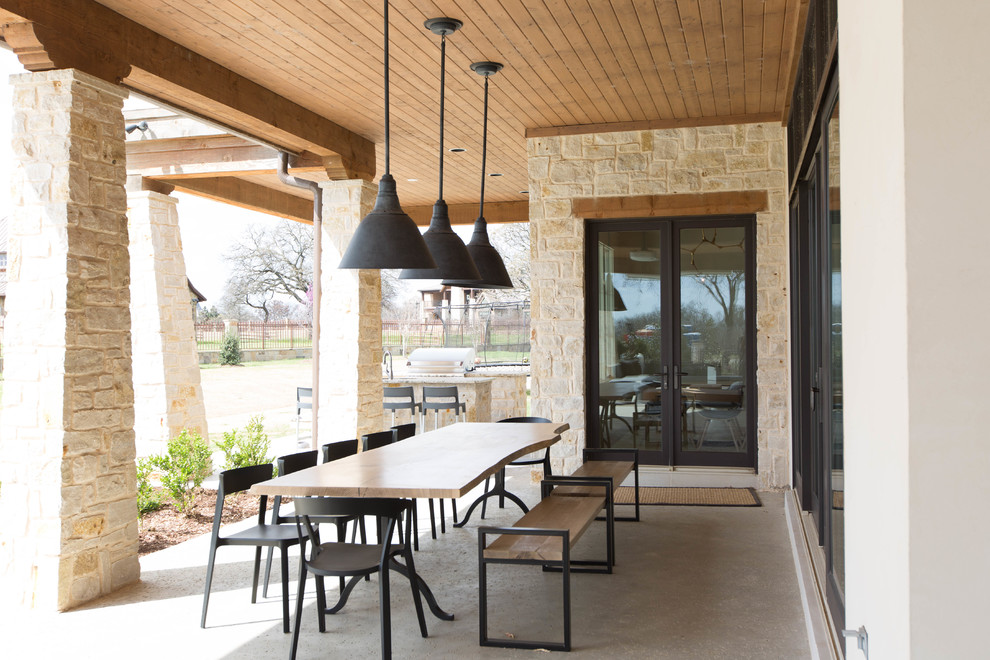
495,174
412,180
457,150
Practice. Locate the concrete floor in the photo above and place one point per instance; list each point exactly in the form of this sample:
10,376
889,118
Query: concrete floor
690,582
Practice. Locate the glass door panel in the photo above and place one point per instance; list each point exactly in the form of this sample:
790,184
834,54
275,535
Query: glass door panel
712,368
835,355
630,340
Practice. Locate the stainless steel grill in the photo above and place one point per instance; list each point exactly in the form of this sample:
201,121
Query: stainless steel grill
440,361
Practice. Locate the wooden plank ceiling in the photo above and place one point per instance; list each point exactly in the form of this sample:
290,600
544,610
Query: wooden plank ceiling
571,66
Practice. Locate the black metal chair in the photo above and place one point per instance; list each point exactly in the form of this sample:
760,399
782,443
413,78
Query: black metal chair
375,440
260,535
288,465
401,398
334,450
403,431
354,560
544,460
304,401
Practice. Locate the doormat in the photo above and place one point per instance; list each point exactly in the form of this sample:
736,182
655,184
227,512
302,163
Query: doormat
838,499
689,496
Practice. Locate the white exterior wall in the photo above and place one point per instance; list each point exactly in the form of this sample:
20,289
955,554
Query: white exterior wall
915,140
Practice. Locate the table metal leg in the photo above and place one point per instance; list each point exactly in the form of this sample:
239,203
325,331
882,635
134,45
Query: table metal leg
497,491
424,589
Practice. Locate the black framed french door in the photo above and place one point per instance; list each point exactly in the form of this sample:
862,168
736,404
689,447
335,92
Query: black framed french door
671,339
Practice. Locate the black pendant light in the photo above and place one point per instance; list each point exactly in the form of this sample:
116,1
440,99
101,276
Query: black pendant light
486,257
387,237
452,258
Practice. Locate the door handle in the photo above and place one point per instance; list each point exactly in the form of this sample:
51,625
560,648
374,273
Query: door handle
664,379
677,376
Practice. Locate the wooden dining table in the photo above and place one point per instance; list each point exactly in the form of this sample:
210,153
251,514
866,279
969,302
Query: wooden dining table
445,463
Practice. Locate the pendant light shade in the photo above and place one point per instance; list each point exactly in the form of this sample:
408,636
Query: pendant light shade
387,237
452,258
491,268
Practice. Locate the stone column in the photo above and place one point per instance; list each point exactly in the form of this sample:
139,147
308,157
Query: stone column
68,513
168,396
351,322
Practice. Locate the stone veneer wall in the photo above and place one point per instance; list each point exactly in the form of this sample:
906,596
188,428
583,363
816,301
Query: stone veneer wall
68,513
659,162
350,322
168,394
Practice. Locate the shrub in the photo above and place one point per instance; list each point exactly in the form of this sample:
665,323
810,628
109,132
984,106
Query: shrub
185,464
230,349
148,499
248,448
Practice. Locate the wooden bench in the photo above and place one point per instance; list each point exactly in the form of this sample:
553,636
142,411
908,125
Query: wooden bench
545,536
612,463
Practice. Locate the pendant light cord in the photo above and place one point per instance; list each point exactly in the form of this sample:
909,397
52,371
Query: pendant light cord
484,152
443,75
386,88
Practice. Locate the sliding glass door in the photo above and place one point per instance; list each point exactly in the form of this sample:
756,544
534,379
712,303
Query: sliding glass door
670,331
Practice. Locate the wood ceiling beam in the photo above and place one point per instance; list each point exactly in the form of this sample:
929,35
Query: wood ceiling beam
667,206
651,125
246,195
466,214
84,35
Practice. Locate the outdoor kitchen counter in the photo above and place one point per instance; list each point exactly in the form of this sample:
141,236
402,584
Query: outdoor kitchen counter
490,395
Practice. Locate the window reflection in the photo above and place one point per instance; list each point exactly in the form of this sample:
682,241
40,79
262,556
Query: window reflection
838,487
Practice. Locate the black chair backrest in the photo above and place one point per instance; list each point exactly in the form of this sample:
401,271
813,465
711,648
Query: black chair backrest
402,398
439,396
334,450
295,462
238,479
524,420
309,508
403,431
304,398
376,440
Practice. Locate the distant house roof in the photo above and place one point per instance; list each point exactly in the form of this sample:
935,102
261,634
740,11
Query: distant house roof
199,297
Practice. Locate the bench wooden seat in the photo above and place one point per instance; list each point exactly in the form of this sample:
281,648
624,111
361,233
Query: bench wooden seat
545,536
572,514
613,463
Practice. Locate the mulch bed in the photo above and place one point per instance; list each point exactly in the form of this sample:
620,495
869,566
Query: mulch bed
167,527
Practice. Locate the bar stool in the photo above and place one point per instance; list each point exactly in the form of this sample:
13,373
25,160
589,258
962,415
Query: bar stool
437,399
442,398
401,398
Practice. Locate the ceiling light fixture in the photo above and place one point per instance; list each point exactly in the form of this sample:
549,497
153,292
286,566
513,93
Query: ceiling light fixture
387,237
486,257
452,258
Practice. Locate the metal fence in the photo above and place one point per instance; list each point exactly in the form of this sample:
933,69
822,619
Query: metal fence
498,332
256,335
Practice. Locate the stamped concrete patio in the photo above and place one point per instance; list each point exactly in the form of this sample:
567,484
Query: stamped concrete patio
690,582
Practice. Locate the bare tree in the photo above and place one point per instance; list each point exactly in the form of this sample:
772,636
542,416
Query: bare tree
512,242
267,262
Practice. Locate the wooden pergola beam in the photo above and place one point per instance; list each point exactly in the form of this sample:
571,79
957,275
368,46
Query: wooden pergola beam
84,35
246,195
466,214
210,156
